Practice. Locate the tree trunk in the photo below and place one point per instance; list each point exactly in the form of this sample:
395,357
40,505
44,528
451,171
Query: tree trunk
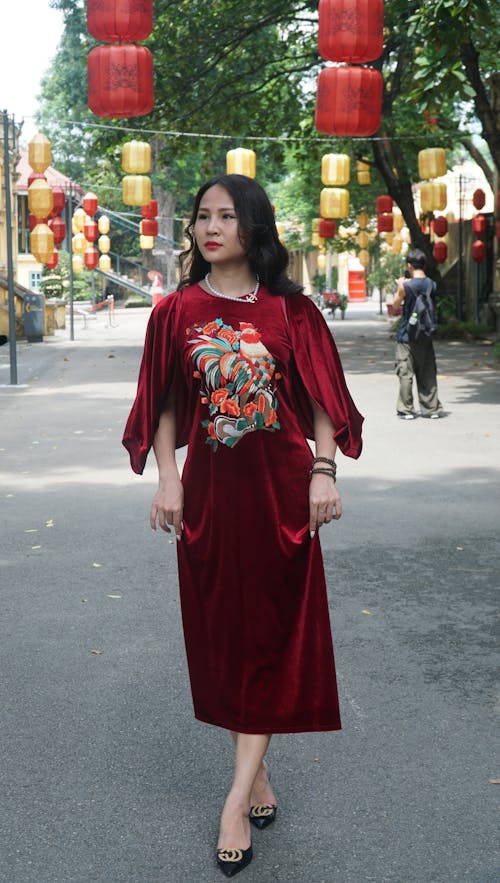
478,158
402,194
164,251
485,109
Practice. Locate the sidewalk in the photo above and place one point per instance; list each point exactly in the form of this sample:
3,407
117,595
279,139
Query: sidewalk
107,778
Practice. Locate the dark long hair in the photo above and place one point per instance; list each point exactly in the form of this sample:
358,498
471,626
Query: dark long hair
268,257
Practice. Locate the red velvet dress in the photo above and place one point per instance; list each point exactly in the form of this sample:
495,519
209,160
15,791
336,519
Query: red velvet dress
252,585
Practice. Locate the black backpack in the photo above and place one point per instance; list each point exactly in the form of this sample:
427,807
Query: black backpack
423,319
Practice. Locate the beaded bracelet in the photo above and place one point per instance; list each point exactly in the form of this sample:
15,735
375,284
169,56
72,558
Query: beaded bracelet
329,472
331,463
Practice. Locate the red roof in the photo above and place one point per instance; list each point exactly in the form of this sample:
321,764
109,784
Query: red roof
54,178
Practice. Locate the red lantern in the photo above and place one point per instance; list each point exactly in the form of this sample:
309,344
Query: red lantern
440,226
59,198
385,223
384,205
150,210
478,251
349,101
33,221
351,30
58,228
52,262
149,227
91,258
120,81
327,229
114,21
35,176
89,203
440,252
478,199
90,231
479,225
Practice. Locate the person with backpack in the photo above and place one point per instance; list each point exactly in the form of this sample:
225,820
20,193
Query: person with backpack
415,355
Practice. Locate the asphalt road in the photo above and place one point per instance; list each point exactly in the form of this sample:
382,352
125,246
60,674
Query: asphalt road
106,777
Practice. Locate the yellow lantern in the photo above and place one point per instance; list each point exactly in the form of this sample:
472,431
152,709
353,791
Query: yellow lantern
241,161
105,263
315,240
321,262
335,169
388,237
40,198
363,239
397,244
77,263
136,157
103,224
104,243
79,243
42,243
432,162
334,202
398,222
39,153
433,197
364,257
147,242
78,223
315,225
280,227
362,220
363,172
136,189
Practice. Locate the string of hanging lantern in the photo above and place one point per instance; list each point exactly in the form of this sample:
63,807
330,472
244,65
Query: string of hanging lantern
349,96
120,73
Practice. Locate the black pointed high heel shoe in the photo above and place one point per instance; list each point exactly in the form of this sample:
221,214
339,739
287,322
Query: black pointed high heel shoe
263,814
232,861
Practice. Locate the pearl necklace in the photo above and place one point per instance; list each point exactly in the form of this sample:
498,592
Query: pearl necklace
247,298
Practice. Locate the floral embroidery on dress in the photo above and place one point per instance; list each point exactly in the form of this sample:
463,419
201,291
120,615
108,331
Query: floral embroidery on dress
236,372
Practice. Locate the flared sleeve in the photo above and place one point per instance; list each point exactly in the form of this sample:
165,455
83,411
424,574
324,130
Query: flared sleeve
320,376
159,373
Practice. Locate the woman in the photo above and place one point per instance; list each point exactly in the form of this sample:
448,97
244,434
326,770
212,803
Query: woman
240,365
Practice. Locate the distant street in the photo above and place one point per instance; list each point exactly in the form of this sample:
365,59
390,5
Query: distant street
107,778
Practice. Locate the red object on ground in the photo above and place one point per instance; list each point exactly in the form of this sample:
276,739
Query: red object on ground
349,101
327,229
478,251
120,81
440,252
116,21
351,30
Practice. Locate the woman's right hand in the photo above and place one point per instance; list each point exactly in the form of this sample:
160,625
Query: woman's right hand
167,506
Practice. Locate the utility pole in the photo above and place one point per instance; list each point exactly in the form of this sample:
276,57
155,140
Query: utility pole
8,238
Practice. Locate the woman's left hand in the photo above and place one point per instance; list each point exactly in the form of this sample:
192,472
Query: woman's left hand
325,503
